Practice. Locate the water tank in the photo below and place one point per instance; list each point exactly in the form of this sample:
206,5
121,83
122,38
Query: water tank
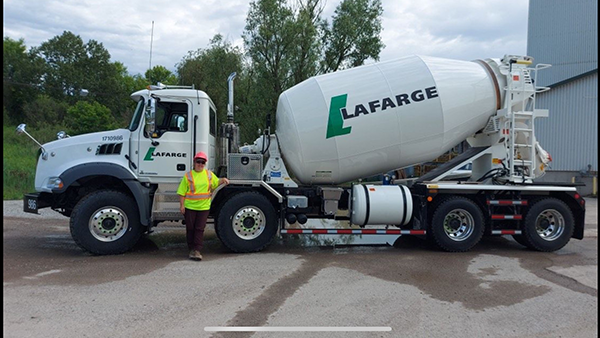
367,120
381,204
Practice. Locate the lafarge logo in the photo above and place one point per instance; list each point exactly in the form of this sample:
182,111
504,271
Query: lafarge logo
338,113
151,154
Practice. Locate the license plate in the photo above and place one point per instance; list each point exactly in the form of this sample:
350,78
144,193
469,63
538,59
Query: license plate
30,204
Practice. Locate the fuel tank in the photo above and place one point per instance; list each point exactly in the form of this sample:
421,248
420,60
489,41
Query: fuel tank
371,119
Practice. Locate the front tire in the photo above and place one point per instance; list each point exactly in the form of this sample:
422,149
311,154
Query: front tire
106,222
457,224
548,225
247,222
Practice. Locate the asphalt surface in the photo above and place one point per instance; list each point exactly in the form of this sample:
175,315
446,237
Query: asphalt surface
52,288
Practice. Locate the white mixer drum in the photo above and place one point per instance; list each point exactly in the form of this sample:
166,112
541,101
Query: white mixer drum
363,121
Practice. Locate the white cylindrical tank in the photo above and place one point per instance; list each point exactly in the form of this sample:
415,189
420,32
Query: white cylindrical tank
381,204
363,121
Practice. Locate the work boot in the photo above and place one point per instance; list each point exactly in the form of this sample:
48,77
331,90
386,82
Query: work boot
195,255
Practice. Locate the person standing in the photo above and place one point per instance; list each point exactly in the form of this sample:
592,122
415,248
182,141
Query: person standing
195,193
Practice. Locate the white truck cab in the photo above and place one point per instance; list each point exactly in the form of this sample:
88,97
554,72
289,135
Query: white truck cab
184,122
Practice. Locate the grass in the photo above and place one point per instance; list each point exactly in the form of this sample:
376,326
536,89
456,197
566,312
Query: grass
20,156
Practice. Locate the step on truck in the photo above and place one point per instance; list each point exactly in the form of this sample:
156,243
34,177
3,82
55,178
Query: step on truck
331,131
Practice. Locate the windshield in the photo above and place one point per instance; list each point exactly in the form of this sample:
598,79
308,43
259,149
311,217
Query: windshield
135,121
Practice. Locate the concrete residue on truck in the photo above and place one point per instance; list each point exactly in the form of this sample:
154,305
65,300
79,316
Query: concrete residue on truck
331,129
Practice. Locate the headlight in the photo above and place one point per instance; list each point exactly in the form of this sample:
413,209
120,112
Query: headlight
55,183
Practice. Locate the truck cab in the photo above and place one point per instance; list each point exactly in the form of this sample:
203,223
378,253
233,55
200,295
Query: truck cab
168,127
106,182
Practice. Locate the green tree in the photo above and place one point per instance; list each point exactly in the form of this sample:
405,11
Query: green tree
160,74
73,65
22,73
87,117
270,38
287,45
309,32
353,37
208,69
44,110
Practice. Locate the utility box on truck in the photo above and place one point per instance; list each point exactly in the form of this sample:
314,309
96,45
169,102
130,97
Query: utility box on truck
332,130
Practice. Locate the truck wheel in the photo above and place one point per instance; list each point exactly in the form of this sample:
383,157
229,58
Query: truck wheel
457,224
106,222
548,225
247,222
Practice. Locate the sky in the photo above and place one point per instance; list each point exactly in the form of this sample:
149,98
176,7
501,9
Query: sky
463,30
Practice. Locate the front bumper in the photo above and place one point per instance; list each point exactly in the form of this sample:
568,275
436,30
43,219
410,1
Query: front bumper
32,202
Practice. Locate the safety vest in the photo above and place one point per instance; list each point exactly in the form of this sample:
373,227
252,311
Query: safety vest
188,189
192,194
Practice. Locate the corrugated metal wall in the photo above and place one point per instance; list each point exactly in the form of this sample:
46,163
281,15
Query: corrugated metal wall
570,134
564,34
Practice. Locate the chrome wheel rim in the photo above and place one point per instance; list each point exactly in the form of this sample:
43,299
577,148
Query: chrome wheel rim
249,222
108,224
459,225
550,224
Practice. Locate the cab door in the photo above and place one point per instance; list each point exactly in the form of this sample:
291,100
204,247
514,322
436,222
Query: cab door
166,155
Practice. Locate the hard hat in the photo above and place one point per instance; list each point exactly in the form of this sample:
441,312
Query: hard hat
201,155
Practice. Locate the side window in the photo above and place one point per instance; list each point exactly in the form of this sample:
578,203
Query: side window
213,122
171,117
178,122
160,115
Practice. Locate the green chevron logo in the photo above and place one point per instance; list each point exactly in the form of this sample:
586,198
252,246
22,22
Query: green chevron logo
149,154
335,126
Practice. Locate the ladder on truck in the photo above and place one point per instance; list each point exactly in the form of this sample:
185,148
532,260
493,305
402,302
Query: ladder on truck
519,116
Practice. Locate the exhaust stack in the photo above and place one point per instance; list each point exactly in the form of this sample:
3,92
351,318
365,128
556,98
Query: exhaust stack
230,106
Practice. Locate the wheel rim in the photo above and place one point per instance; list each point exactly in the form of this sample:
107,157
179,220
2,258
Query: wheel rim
550,224
249,222
459,225
108,224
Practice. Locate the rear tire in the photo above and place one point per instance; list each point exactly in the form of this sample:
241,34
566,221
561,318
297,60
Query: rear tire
457,224
106,222
548,225
247,222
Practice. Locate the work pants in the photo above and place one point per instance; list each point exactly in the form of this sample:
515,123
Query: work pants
195,222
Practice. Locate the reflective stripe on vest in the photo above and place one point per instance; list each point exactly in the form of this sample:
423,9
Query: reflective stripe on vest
192,187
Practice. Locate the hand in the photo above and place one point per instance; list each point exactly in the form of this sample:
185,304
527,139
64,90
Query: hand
182,209
224,181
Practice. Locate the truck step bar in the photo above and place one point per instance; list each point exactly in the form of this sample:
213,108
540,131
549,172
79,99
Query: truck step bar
506,202
506,232
507,217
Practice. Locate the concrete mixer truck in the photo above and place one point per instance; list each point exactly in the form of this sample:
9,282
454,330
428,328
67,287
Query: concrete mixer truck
331,131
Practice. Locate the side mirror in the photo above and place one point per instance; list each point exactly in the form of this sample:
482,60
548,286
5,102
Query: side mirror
21,129
150,116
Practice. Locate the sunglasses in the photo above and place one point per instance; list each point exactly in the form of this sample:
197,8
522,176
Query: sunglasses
201,161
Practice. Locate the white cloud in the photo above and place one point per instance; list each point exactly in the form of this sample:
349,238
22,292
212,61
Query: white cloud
452,29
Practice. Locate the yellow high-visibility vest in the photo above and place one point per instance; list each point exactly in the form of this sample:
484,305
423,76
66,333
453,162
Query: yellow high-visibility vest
197,188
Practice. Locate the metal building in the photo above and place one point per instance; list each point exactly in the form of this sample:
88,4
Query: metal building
565,35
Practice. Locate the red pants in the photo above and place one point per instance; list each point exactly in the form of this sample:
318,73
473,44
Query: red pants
195,222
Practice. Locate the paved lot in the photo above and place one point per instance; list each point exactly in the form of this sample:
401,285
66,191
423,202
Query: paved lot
52,288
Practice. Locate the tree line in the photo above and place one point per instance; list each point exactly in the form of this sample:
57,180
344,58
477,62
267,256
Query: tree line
285,42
